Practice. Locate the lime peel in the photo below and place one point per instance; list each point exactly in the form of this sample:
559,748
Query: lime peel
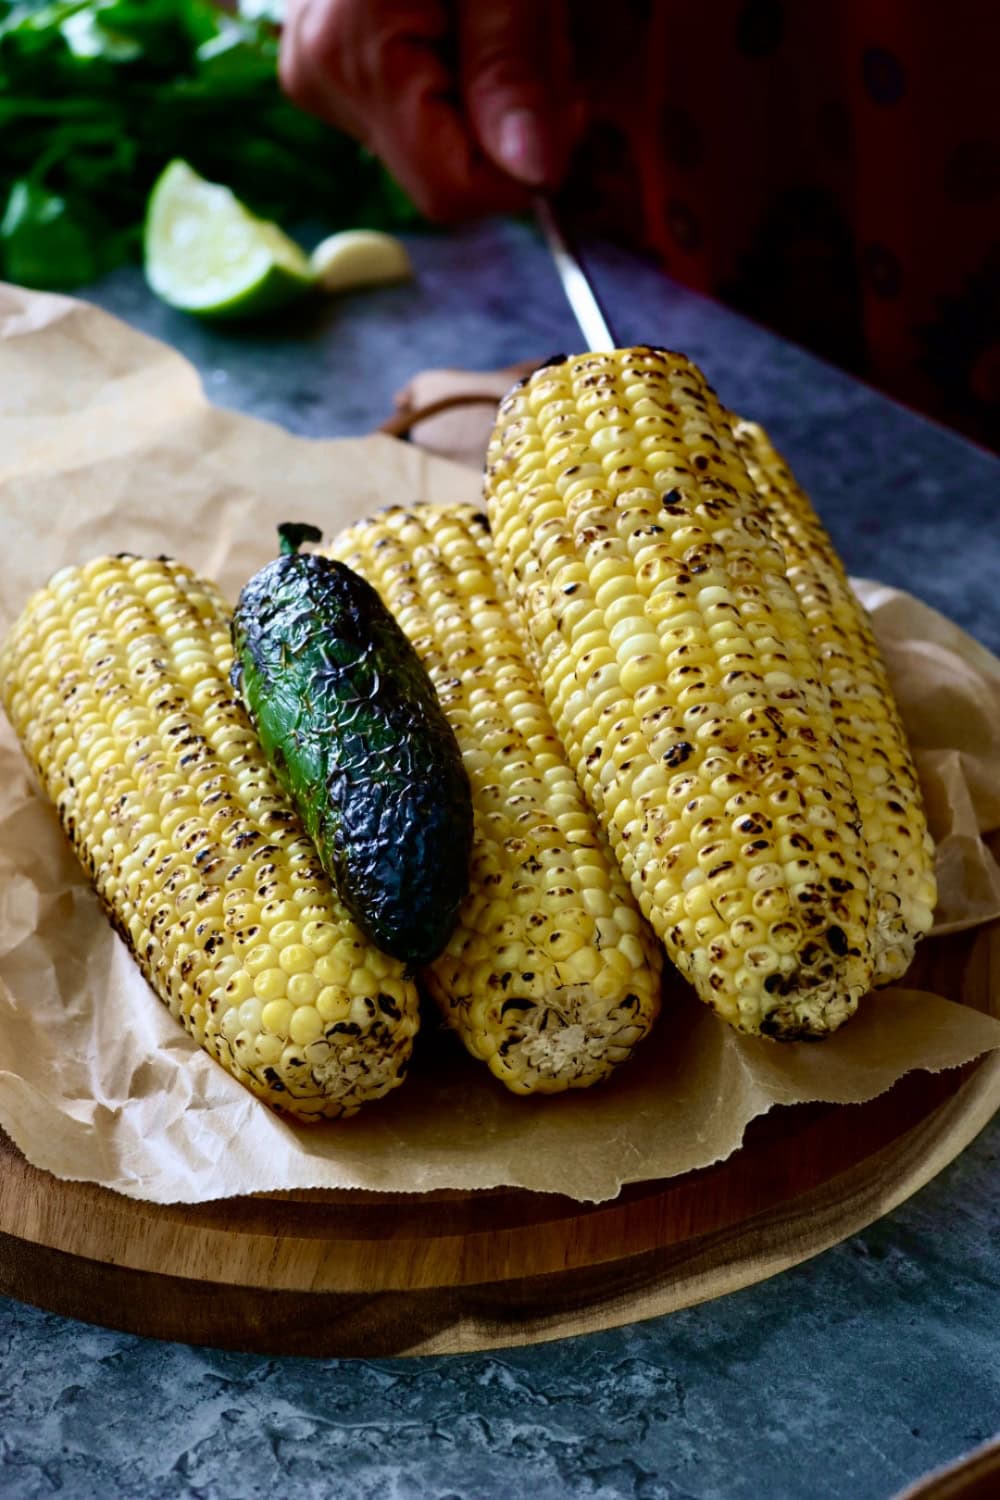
205,253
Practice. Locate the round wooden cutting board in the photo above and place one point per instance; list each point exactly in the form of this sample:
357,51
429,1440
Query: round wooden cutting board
353,1273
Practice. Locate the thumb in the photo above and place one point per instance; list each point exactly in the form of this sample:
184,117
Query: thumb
515,62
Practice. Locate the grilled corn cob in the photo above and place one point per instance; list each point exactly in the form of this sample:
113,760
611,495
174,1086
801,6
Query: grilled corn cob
676,663
550,977
116,680
872,738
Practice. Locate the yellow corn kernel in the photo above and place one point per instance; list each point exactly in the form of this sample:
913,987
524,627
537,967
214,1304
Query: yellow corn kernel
115,678
872,737
633,543
526,980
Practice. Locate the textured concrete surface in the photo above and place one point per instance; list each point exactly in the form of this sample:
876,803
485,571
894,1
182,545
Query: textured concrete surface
846,1377
905,500
840,1380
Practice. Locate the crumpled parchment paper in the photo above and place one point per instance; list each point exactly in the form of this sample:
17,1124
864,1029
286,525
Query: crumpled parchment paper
108,443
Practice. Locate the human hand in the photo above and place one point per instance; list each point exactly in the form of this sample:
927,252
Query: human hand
469,105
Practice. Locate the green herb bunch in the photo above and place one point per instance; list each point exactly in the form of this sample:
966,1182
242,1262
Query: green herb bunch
96,96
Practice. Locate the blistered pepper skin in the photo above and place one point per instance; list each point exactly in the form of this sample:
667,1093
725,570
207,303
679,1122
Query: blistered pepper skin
348,717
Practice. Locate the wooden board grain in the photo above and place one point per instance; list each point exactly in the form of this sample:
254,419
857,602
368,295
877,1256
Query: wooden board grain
355,1273
974,1477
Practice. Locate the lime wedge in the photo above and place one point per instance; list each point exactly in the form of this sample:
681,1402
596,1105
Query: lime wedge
207,254
359,257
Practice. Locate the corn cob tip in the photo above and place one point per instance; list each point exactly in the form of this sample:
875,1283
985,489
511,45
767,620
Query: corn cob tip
569,1038
810,1018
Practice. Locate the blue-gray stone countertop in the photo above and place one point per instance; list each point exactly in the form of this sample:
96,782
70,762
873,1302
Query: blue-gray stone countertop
843,1379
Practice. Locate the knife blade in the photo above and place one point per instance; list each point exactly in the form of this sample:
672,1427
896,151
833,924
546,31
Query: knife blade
590,315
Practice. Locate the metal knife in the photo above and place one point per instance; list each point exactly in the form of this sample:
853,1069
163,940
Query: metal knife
580,294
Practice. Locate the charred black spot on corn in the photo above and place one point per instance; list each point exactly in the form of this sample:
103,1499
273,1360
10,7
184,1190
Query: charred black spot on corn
353,728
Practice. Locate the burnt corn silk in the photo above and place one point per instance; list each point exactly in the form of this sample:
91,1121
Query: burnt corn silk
351,722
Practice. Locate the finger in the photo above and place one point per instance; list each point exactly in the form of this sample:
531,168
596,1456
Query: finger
424,139
517,85
378,72
318,39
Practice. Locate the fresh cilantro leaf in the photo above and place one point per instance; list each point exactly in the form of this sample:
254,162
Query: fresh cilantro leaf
96,96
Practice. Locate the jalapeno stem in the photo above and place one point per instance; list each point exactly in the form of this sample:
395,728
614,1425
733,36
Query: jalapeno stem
293,533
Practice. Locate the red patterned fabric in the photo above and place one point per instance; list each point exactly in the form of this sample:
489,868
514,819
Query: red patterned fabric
830,167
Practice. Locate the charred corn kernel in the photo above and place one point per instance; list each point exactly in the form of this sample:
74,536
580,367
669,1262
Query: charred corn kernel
116,680
676,663
512,981
333,1004
319,936
872,737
